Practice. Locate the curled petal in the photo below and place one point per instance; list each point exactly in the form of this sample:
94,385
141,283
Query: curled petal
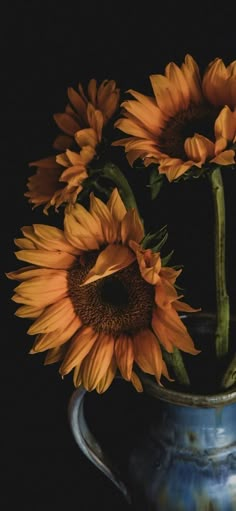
225,129
199,149
149,263
112,259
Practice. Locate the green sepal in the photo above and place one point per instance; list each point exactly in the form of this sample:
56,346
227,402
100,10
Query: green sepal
167,258
155,241
156,181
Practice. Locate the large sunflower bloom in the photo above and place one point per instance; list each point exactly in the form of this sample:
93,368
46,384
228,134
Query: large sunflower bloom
98,300
58,179
189,122
86,111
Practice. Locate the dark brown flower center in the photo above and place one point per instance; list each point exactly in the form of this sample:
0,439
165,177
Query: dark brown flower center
196,119
119,304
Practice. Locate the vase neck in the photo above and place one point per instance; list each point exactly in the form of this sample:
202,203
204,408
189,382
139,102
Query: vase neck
196,427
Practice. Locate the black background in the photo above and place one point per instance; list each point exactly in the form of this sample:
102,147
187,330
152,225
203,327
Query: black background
43,51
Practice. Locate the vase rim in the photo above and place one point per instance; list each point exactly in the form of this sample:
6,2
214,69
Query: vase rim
187,399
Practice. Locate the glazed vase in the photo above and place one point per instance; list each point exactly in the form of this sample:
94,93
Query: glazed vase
185,458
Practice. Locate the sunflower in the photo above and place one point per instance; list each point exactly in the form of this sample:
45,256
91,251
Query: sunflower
58,179
99,301
189,122
82,112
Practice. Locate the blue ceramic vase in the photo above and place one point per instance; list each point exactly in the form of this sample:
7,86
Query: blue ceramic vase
186,458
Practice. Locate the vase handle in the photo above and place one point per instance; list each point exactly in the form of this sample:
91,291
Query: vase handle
88,444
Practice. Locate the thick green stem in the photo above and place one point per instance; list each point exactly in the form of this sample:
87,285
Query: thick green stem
113,173
222,299
175,361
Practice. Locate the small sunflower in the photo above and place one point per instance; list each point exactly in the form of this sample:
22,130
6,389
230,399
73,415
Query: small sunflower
82,112
58,179
189,122
99,301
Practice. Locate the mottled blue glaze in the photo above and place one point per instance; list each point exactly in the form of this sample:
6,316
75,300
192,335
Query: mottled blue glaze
187,460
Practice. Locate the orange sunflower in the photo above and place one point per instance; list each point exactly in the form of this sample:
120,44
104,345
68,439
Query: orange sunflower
190,121
85,112
99,301
58,179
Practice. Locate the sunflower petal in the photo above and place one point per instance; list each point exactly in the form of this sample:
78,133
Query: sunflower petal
112,259
132,227
80,345
55,354
97,361
108,377
136,382
56,316
57,337
124,352
56,260
147,353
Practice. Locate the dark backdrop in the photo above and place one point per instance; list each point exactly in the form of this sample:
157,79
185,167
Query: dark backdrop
43,51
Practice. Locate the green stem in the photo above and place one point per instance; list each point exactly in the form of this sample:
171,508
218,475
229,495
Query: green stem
113,173
229,378
175,361
222,299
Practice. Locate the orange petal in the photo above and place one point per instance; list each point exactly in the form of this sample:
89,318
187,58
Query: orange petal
161,333
199,148
62,142
57,260
87,221
98,360
26,311
86,137
176,76
80,345
41,291
78,235
124,351
78,103
147,353
66,123
116,206
101,212
131,127
57,316
56,337
176,331
191,72
55,354
136,382
149,264
108,377
225,158
132,227
174,167
112,259
168,98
